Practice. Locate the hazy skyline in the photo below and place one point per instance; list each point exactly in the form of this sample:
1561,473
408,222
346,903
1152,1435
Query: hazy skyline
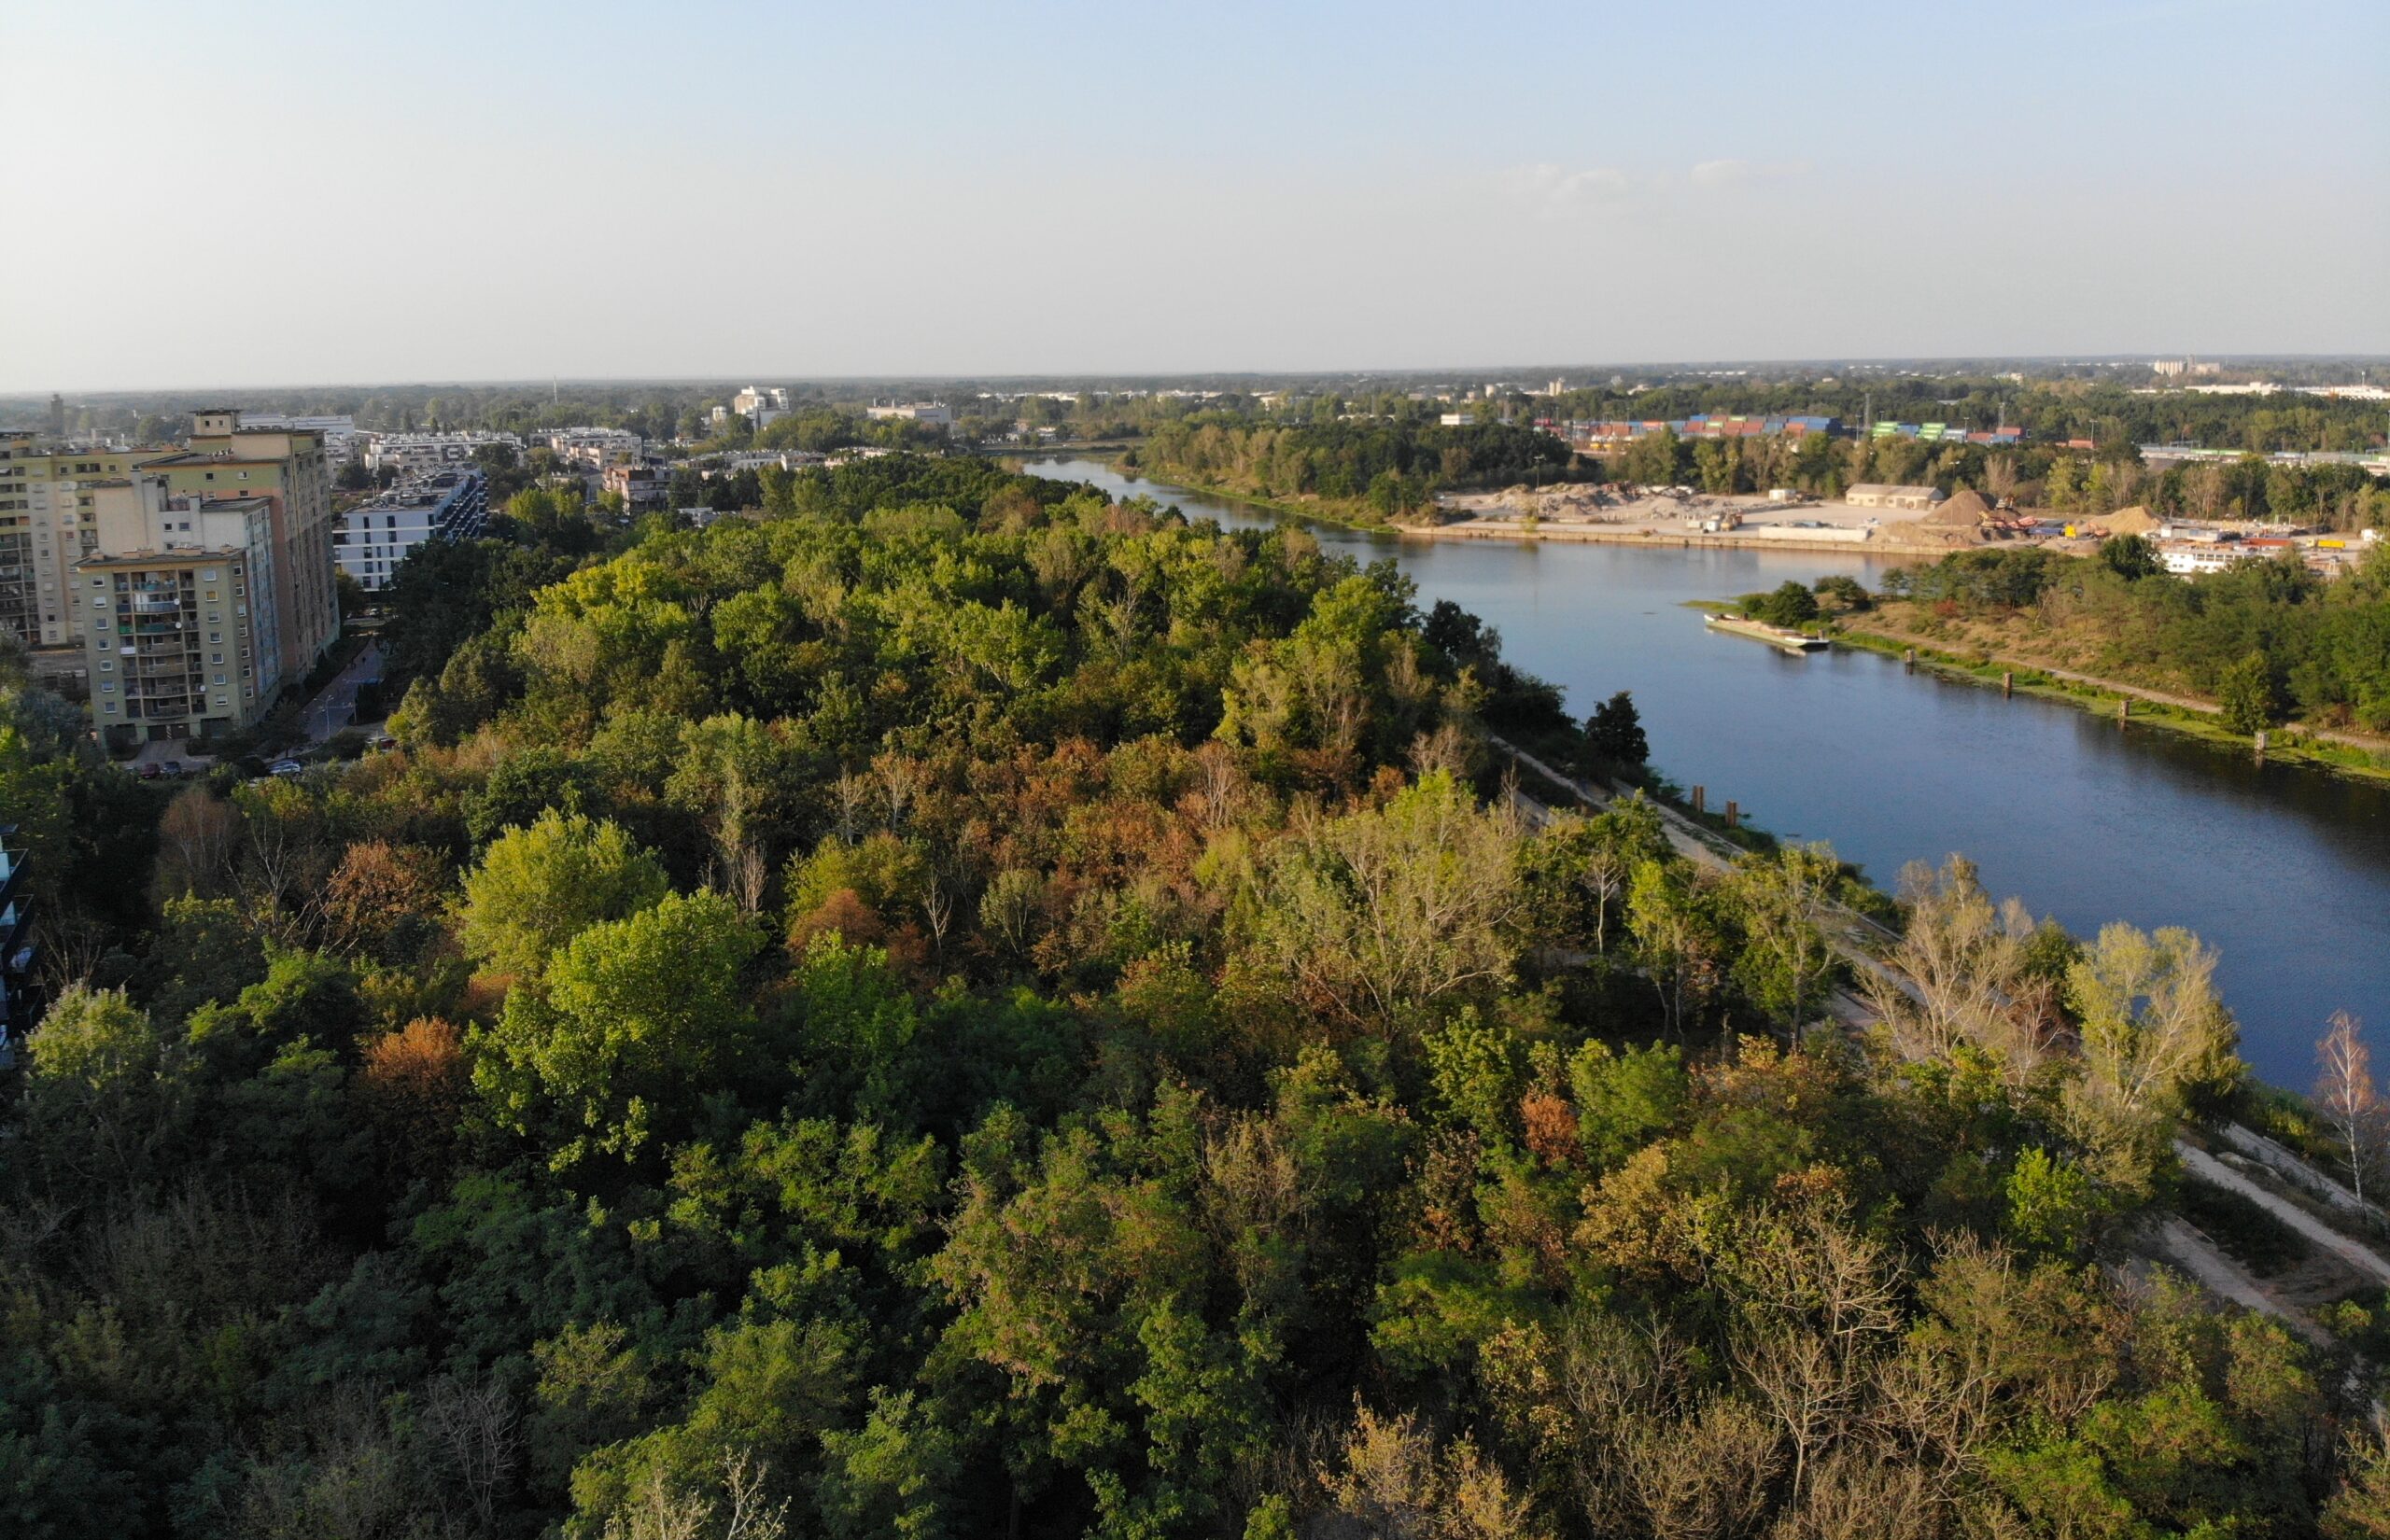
256,193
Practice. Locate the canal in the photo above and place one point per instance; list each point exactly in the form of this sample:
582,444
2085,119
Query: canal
2285,871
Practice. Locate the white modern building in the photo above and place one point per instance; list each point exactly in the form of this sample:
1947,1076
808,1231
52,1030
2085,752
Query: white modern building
936,414
760,404
372,539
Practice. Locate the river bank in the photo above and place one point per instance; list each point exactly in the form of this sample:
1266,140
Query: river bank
2286,870
2344,754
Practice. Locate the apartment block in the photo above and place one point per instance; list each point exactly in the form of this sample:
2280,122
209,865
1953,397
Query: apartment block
597,447
182,634
420,453
46,500
227,458
372,539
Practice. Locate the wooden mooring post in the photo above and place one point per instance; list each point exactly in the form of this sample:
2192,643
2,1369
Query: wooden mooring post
2124,709
2007,682
2261,743
1734,816
1909,659
1700,799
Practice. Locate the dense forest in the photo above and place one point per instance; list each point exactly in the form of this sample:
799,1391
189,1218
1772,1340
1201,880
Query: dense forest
2273,636
1376,468
957,1008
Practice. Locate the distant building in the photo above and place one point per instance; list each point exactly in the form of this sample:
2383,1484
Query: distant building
1884,495
1458,419
643,488
421,453
597,447
57,416
761,405
370,541
935,414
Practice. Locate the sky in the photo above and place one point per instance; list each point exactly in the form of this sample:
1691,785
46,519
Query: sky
257,193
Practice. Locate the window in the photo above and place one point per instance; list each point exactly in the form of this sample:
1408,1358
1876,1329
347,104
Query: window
111,709
108,687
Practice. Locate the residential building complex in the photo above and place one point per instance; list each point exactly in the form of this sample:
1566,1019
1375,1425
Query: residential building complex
369,541
595,447
49,508
419,453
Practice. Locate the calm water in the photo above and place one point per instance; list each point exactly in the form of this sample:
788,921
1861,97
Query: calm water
2285,872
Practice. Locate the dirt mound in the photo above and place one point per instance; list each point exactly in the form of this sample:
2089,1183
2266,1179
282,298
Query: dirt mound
1963,512
2135,520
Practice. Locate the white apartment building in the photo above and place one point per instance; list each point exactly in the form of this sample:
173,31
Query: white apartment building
369,541
420,453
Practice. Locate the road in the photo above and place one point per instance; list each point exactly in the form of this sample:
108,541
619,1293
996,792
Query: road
328,712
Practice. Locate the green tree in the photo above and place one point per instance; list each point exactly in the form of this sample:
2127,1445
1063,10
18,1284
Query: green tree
638,1020
537,887
1614,737
2245,694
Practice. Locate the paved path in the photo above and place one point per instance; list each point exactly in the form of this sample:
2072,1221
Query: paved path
328,712
2155,697
2356,1252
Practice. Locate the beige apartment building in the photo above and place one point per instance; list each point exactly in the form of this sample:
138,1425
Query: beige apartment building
45,495
182,636
47,523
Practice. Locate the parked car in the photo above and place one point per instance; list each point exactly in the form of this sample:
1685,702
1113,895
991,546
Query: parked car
286,767
149,771
384,744
174,768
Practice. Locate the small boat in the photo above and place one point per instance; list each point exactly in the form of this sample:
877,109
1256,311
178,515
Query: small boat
1777,637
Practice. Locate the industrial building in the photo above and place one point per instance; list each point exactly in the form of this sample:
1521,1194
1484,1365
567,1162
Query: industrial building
1883,494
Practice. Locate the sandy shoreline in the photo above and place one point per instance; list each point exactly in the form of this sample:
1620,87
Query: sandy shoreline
1512,530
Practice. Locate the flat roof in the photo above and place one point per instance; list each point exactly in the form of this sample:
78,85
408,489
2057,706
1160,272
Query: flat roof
181,556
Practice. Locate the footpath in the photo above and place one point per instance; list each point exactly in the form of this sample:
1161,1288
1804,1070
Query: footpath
2180,1242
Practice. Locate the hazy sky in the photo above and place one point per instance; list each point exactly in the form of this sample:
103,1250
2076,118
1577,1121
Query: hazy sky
252,193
